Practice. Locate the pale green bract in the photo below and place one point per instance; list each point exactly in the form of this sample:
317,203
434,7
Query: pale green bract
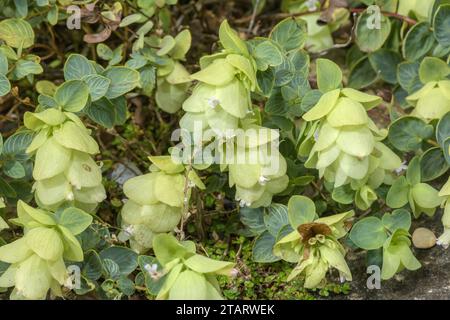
223,104
313,244
64,169
346,144
444,193
155,202
188,276
37,259
421,197
432,101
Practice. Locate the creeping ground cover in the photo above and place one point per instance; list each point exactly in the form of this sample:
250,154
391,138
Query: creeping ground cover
207,150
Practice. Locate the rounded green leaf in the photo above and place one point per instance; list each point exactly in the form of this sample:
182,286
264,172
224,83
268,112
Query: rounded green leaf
98,85
418,41
45,242
398,219
5,86
276,218
230,39
290,34
408,133
72,95
74,219
397,196
301,210
123,80
362,74
426,196
433,69
263,248
329,75
433,164
441,25
77,67
16,33
368,233
408,76
125,258
370,36
385,63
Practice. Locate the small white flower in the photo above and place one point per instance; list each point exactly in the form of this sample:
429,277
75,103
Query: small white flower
213,102
129,230
243,203
70,196
191,184
234,273
263,180
69,283
316,135
153,271
311,4
403,167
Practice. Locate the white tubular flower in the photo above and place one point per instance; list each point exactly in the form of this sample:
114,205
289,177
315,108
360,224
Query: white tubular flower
402,168
213,102
263,180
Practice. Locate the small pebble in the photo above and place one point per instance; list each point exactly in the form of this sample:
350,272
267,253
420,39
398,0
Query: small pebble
423,238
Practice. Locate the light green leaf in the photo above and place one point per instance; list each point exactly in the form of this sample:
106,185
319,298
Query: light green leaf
368,233
301,210
433,69
397,196
75,220
408,133
124,257
17,33
398,219
290,34
369,36
263,248
202,264
98,85
45,242
276,218
5,86
329,75
167,248
77,67
385,63
72,95
418,41
123,80
441,25
230,39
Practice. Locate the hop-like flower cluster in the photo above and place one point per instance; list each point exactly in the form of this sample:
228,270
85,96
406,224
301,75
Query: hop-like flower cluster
313,244
190,276
221,102
64,169
37,259
347,147
155,202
